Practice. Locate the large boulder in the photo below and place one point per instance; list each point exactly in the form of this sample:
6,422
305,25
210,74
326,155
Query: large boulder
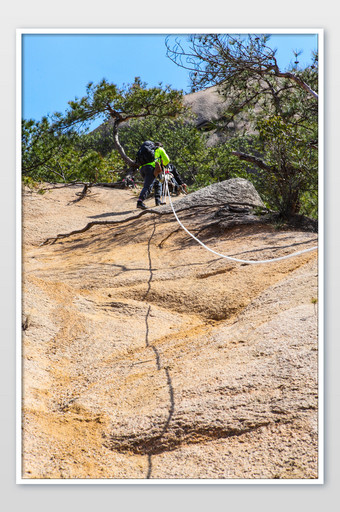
209,106
234,191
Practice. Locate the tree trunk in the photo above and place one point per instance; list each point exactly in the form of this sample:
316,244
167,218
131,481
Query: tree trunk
119,147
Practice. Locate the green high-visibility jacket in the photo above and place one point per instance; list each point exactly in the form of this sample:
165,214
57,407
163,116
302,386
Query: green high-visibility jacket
160,156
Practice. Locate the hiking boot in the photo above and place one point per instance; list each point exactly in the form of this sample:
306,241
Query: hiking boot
159,202
141,205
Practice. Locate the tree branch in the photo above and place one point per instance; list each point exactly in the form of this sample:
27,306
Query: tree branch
253,159
88,226
298,81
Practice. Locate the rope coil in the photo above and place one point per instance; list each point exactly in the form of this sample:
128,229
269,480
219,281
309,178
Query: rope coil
253,262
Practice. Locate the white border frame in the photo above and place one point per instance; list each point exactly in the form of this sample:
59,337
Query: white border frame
19,480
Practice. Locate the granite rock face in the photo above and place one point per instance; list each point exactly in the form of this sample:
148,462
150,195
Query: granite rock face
208,106
147,357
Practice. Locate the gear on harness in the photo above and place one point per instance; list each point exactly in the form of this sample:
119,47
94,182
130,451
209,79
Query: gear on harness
129,182
173,185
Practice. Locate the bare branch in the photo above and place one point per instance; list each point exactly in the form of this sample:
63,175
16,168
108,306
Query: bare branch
253,160
160,213
298,81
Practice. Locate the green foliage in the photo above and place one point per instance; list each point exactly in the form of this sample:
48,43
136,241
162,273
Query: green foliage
29,182
49,156
105,100
63,151
293,164
38,144
44,150
281,164
285,124
281,108
184,144
309,204
92,167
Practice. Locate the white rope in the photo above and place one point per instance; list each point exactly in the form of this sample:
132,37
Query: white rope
254,262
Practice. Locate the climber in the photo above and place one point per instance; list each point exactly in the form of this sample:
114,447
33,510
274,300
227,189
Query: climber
150,159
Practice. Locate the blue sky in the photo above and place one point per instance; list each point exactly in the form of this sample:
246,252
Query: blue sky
57,67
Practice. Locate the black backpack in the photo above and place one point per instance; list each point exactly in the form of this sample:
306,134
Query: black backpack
146,153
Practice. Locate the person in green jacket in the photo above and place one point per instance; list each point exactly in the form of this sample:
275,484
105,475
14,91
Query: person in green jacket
149,173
